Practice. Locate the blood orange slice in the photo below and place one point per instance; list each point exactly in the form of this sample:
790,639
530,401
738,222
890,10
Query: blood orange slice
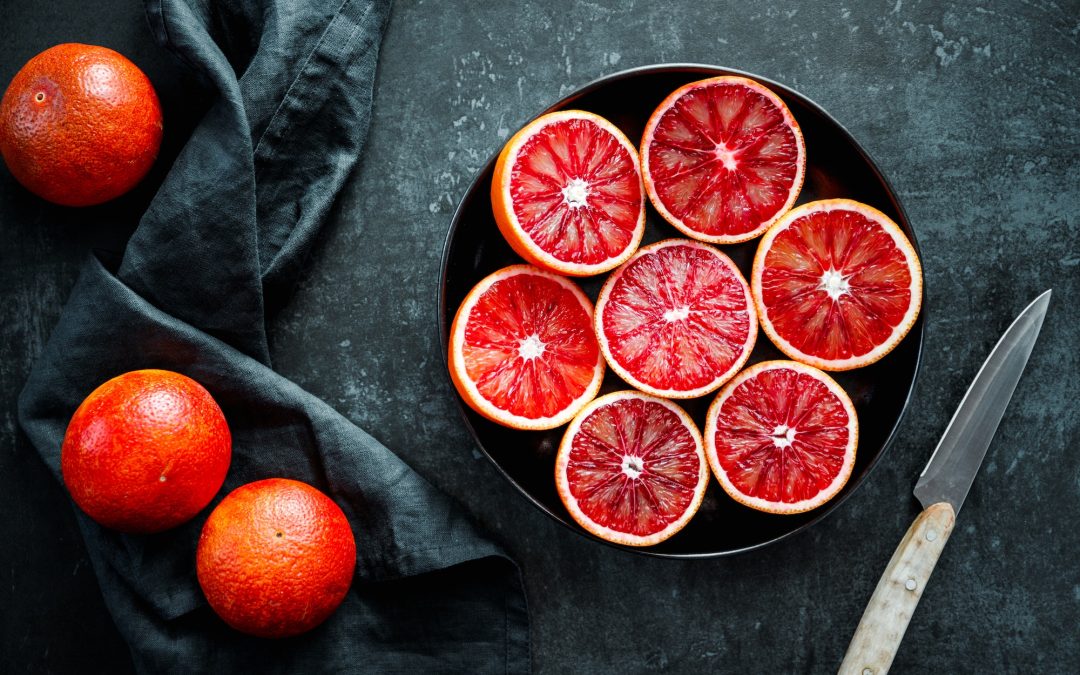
631,468
781,437
567,194
522,350
722,159
837,284
677,319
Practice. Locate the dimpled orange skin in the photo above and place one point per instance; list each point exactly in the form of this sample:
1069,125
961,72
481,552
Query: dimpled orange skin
146,451
276,558
80,125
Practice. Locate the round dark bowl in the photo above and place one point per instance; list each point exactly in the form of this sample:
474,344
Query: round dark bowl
837,166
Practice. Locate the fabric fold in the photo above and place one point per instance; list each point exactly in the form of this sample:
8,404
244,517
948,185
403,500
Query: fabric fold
235,217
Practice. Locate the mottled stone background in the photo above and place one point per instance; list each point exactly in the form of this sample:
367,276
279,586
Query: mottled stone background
971,110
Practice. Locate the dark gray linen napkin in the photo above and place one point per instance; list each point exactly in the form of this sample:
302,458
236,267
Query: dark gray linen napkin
293,84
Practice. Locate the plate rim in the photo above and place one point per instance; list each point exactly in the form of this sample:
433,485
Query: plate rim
708,70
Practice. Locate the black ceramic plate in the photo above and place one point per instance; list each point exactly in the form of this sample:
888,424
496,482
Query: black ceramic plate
836,167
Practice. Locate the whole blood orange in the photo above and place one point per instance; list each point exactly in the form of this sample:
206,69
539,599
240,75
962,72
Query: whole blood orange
677,319
567,194
781,437
79,125
722,159
631,468
522,349
146,451
837,284
276,558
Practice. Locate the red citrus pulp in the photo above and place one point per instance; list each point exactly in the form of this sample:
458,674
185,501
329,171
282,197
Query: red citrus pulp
146,451
676,320
781,437
722,159
837,284
567,194
276,558
631,468
522,349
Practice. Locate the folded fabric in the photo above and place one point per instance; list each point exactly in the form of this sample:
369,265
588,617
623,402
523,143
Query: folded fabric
293,83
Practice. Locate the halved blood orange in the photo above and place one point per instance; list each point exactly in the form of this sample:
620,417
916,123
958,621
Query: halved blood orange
631,468
522,350
677,319
722,159
781,437
837,284
567,194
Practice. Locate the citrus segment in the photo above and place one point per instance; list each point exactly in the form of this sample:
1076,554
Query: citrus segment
631,468
837,284
781,437
567,194
722,159
676,320
522,349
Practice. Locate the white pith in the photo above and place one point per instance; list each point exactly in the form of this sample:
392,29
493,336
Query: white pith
675,315
576,193
457,357
711,422
572,194
562,482
902,243
783,436
632,466
834,284
725,156
531,347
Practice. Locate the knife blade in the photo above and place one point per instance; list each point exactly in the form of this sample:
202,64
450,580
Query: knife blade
941,489
951,470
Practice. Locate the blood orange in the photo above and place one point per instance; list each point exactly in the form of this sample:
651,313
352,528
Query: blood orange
781,437
677,319
722,159
275,558
146,451
567,194
522,350
631,468
837,284
79,125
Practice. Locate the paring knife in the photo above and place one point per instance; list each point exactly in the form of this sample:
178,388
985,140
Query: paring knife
941,490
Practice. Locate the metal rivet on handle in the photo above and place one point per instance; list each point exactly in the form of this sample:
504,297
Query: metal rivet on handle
867,671
910,584
931,535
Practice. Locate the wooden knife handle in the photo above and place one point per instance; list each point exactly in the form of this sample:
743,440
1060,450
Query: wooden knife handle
897,594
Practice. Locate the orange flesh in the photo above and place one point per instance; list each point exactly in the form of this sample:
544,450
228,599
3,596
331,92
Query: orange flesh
529,346
723,159
753,444
576,192
633,437
877,277
677,318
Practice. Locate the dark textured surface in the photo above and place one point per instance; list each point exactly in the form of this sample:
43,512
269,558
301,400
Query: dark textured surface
969,110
